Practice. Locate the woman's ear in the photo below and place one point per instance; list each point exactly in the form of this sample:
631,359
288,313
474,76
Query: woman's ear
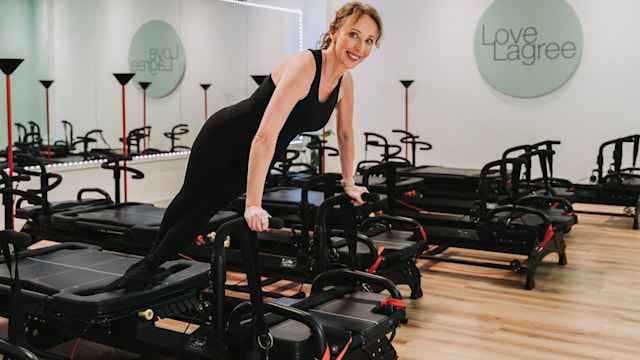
332,33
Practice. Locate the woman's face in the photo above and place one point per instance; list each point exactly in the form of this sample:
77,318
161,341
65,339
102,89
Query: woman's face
353,42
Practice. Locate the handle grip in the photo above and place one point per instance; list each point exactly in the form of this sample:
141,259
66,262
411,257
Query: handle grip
276,223
370,197
18,239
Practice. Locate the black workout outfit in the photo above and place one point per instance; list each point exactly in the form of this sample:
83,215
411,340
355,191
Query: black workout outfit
218,164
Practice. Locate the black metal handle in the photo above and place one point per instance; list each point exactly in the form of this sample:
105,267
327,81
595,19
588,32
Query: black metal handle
370,197
18,239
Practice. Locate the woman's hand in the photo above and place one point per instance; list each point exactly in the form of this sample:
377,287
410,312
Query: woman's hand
355,192
257,218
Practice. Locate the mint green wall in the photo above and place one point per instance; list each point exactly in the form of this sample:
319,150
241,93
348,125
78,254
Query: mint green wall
23,25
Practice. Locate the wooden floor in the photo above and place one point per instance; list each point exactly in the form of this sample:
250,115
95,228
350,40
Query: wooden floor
587,309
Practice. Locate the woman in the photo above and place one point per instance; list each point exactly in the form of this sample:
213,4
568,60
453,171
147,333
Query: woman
235,147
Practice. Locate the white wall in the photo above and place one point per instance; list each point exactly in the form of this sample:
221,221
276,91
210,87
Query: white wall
468,122
224,44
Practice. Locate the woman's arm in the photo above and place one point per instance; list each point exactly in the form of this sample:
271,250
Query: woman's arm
344,122
293,80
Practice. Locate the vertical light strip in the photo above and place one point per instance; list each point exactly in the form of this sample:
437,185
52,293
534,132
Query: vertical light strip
276,8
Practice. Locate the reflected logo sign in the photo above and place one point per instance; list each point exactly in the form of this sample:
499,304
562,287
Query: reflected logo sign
528,48
156,55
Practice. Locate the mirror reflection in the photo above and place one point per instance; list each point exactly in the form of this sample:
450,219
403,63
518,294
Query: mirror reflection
75,47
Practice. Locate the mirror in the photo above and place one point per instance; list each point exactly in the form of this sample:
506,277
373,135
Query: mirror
80,44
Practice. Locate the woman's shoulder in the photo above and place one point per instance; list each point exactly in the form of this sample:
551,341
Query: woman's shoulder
300,59
301,63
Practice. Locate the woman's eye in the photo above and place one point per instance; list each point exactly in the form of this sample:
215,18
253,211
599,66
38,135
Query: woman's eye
353,35
369,41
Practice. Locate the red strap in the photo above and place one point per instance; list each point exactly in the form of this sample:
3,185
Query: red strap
397,303
327,354
186,257
412,207
555,205
424,234
571,213
375,265
548,235
344,350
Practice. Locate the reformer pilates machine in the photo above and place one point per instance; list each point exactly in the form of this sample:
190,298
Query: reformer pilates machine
288,172
60,298
547,183
298,253
439,181
138,140
618,185
455,190
501,191
132,227
174,135
129,227
384,244
411,195
508,228
80,308
297,205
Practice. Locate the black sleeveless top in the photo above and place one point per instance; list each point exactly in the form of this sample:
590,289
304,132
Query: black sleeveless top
309,114
234,127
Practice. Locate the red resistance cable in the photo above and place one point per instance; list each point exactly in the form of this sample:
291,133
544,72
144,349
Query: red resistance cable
375,265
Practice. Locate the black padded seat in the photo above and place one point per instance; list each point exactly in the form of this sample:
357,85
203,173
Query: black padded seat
283,200
440,204
342,313
29,212
560,219
125,227
65,277
391,242
290,198
140,221
443,172
450,181
378,184
117,215
355,313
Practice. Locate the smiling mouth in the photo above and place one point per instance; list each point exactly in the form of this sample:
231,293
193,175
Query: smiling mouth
352,56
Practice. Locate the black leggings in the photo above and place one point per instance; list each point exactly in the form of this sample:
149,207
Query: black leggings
213,179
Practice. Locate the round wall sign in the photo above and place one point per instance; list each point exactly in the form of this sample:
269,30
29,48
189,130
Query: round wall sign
156,55
528,48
